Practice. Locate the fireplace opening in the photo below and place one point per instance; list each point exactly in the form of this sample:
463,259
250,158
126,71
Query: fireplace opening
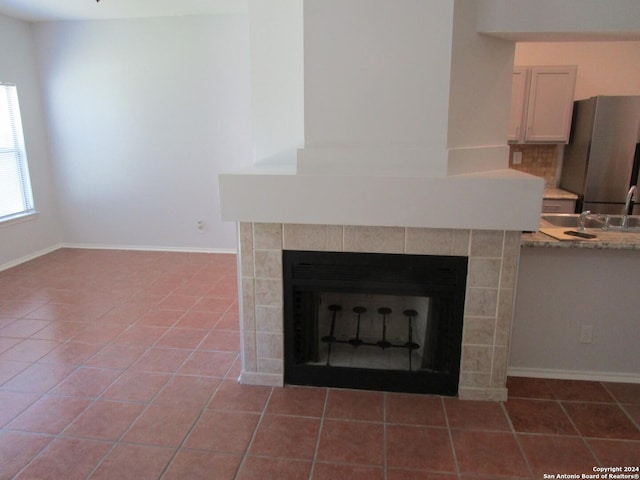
373,321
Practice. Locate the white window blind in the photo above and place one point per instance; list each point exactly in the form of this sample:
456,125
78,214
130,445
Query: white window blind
15,187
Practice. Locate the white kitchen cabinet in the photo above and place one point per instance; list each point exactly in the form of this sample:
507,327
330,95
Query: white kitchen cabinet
541,104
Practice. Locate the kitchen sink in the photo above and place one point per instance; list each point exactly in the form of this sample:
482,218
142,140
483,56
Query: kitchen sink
571,220
603,222
633,222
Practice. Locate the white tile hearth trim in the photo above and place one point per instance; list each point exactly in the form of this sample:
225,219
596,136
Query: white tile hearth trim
493,262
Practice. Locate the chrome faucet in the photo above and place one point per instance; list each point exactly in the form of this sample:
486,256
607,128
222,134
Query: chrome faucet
582,219
625,213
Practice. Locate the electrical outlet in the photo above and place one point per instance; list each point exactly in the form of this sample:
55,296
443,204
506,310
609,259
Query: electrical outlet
586,334
517,158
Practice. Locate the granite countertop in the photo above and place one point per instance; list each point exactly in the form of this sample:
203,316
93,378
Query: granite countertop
552,193
609,240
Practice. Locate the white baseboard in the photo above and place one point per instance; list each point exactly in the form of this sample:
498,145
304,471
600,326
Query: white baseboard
613,377
31,256
146,248
53,248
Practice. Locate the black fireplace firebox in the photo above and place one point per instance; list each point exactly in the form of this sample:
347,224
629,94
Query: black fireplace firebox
385,322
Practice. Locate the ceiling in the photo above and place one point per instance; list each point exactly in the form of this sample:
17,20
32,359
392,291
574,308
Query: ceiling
47,10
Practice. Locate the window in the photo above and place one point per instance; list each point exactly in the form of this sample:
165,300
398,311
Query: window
15,187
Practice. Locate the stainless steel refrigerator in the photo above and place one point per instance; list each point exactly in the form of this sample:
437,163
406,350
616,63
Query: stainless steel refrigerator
602,158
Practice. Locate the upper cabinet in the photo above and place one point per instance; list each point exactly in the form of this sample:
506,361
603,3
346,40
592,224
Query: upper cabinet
541,104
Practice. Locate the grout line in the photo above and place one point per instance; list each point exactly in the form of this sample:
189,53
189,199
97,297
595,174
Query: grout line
322,417
253,436
451,444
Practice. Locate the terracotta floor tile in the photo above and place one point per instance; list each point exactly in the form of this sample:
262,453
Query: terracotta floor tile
136,386
68,458
286,437
421,448
116,356
539,416
235,371
303,401
414,409
187,392
229,321
355,405
331,471
199,320
126,314
9,369
50,311
198,465
476,415
86,382
601,420
616,452
633,411
226,287
552,453
240,398
17,449
529,388
212,304
177,301
489,453
60,331
624,392
351,442
221,340
104,420
160,318
6,343
72,353
212,364
17,309
259,468
579,390
401,474
49,414
162,426
14,403
181,338
140,335
219,431
164,360
38,378
23,328
100,333
29,350
133,462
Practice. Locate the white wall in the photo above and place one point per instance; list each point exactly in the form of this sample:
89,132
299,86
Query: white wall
277,79
480,83
377,74
143,114
17,65
561,289
604,68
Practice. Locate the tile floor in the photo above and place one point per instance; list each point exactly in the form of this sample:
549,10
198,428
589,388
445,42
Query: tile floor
123,365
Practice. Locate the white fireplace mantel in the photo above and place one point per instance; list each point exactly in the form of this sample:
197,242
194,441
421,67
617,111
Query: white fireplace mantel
500,199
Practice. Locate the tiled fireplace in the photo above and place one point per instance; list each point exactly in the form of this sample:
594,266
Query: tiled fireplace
492,267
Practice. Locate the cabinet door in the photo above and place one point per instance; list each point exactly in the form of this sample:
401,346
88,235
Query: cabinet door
550,104
519,92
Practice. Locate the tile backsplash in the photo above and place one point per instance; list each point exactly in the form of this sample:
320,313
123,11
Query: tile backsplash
539,160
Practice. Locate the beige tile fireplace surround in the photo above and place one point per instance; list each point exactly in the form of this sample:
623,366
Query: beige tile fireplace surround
493,262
